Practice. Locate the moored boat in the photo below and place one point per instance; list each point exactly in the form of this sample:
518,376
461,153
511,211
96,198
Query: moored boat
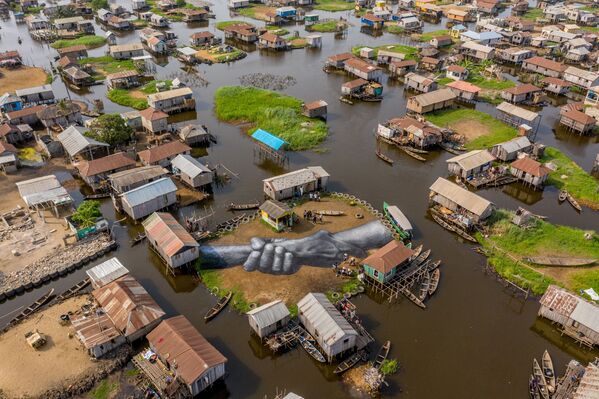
414,155
381,356
533,389
417,251
384,157
220,305
329,213
349,363
73,290
311,349
413,297
540,379
33,307
574,203
398,220
137,239
548,371
560,261
242,207
424,286
452,228
563,195
434,284
421,258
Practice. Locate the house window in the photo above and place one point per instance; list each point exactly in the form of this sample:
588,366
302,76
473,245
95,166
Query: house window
346,340
376,273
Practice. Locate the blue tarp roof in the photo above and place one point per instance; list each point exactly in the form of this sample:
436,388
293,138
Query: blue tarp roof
268,139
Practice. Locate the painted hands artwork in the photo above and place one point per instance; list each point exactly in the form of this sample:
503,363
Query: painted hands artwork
283,256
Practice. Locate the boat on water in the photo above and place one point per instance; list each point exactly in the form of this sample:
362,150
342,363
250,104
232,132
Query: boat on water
452,228
220,305
413,297
537,372
33,307
381,356
349,362
548,371
421,258
563,195
417,251
434,283
559,261
242,207
137,239
426,282
384,157
311,349
450,149
533,389
432,266
400,222
73,290
574,203
414,155
329,213
412,149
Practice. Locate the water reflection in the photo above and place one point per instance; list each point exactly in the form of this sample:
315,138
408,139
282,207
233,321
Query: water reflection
522,193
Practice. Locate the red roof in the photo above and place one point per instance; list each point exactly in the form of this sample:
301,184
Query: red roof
403,64
352,84
72,49
550,80
530,166
430,60
202,35
105,164
152,114
579,116
7,55
464,86
163,151
7,147
270,37
6,129
341,57
168,234
373,18
25,112
456,68
389,257
547,64
522,89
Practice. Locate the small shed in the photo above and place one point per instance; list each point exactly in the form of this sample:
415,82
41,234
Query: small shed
154,120
384,263
270,146
577,121
455,198
149,198
97,333
172,242
326,324
508,151
189,356
106,272
470,164
296,183
530,172
277,214
191,171
432,101
456,72
578,317
75,142
315,109
464,90
521,93
516,116
95,172
194,135
268,318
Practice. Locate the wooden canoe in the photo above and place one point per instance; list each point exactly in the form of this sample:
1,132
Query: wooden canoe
533,390
137,239
417,251
384,157
563,195
220,305
414,155
73,290
413,297
381,356
548,371
412,149
421,258
242,207
450,149
574,203
452,228
537,372
434,284
348,363
432,266
33,307
560,261
329,213
426,283
311,349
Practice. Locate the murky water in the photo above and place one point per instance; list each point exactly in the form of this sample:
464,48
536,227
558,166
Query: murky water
475,340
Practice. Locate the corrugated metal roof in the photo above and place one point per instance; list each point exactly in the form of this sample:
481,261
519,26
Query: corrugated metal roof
292,395
401,219
149,191
73,140
464,198
33,90
295,178
269,313
569,305
472,159
275,209
131,176
128,304
269,139
183,91
94,330
106,272
588,387
517,144
168,234
181,343
326,319
434,97
188,165
43,189
521,113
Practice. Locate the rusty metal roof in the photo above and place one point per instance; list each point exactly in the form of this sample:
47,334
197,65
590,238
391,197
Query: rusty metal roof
128,305
94,330
388,257
168,234
177,340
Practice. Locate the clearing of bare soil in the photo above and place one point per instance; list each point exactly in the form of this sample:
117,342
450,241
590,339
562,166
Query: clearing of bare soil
25,371
261,287
21,78
471,129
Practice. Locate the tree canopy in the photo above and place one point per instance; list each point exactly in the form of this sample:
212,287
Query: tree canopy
97,4
111,129
87,213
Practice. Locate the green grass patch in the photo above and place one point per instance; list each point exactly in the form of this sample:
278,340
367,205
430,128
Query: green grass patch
276,113
132,372
445,81
427,36
104,390
497,131
490,84
333,5
150,87
123,97
410,52
277,31
394,29
49,78
329,26
389,366
583,280
108,64
532,14
211,279
591,29
88,41
223,24
571,177
293,310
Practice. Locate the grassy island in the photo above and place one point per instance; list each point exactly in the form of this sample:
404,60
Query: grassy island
411,53
87,41
135,98
277,113
507,246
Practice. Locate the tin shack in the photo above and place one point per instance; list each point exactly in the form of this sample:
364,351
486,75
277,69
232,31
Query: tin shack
268,318
149,198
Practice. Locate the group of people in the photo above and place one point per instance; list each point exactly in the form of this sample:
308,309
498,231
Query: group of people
313,216
314,196
345,271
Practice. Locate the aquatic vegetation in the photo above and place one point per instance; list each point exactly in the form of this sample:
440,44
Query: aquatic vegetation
223,24
389,366
123,97
276,113
87,41
571,177
410,52
329,26
427,36
333,5
107,65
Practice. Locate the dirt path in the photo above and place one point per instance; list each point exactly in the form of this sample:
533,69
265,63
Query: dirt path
470,129
21,78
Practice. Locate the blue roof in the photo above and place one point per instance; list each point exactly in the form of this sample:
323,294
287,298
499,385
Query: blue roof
268,139
459,27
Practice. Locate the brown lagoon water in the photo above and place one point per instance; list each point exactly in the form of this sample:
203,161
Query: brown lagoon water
475,339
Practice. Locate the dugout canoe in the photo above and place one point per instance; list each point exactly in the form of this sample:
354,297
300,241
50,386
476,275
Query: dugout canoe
560,261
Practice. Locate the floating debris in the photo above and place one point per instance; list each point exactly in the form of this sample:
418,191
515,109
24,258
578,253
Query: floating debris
267,81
